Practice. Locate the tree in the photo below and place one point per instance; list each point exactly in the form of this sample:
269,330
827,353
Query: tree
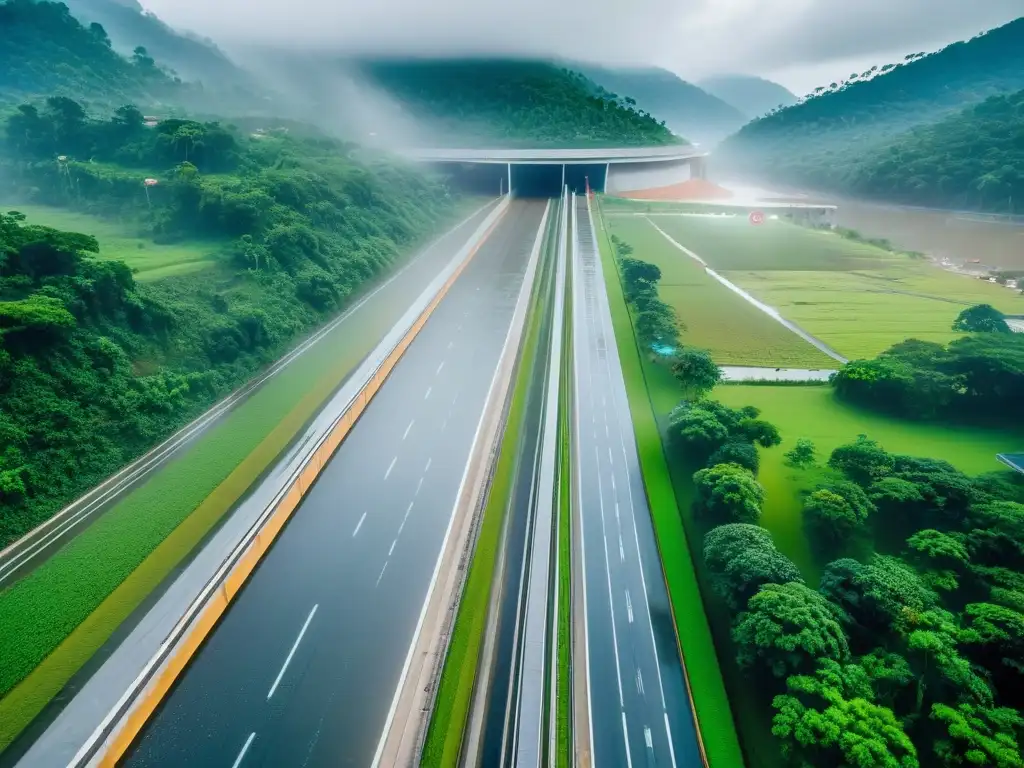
100,33
696,371
697,430
981,318
786,627
655,326
741,559
761,432
863,461
829,518
728,493
802,455
829,719
993,636
941,557
142,59
737,452
983,736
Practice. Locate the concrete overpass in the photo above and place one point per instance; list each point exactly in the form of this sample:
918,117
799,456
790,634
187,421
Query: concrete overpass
544,172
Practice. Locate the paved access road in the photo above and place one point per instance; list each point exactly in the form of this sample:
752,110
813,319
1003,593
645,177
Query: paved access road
303,668
640,712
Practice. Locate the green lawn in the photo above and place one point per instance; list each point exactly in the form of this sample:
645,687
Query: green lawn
815,413
714,715
458,676
56,618
857,298
149,260
564,740
717,319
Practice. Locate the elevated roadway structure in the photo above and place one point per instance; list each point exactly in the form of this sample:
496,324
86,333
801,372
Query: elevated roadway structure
545,172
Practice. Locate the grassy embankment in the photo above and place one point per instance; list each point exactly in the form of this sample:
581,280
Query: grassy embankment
147,259
458,677
811,412
56,618
857,298
564,738
714,715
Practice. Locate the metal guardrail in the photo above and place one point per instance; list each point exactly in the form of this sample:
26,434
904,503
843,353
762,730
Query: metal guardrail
93,749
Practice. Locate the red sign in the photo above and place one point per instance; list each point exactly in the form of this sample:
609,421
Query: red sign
756,217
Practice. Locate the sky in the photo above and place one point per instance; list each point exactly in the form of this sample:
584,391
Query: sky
799,43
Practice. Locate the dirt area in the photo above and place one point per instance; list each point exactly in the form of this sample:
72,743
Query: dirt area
692,189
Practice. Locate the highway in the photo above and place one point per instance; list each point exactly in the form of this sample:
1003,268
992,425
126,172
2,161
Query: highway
639,710
375,312
302,669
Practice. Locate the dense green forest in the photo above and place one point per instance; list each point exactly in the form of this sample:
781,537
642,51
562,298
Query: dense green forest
844,134
510,103
44,49
971,160
94,367
129,26
909,651
685,108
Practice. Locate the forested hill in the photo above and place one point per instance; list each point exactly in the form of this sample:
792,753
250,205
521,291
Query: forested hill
45,50
685,108
753,96
844,122
90,358
130,26
511,103
971,160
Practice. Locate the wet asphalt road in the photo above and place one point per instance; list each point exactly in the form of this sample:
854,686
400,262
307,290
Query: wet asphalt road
303,668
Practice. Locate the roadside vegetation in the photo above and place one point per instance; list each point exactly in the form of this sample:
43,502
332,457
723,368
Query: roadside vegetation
853,586
565,757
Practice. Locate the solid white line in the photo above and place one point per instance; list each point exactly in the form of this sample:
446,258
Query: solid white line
291,653
245,748
408,428
390,467
381,574
439,368
359,525
671,749
427,395
393,543
625,736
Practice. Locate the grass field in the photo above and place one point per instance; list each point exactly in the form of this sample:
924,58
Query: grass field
858,299
714,715
458,676
815,413
149,260
734,330
55,619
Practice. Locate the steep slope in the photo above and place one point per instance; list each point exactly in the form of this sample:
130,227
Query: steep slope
511,103
753,96
685,108
129,26
972,160
45,50
805,143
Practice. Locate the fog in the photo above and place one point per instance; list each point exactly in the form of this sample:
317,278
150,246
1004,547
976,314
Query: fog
801,43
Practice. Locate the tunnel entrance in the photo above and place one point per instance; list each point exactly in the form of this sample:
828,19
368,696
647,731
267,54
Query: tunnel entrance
542,180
